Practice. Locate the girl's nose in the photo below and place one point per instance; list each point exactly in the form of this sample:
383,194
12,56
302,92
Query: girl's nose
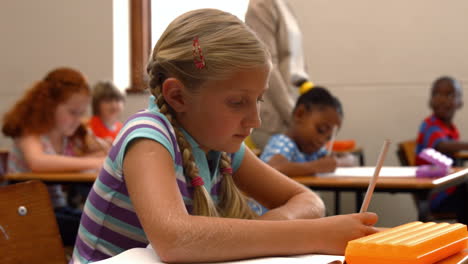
253,119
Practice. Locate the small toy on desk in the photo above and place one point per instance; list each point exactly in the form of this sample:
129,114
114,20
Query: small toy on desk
412,243
440,164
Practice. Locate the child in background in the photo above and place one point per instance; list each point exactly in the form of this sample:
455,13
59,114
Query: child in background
301,151
177,172
48,135
440,133
107,105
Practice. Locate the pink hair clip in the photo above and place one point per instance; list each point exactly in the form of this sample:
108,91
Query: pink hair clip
197,181
198,58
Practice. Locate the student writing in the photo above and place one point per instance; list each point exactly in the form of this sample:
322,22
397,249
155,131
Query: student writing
178,173
301,149
49,136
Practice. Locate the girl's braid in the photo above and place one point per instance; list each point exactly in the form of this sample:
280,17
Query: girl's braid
233,202
202,202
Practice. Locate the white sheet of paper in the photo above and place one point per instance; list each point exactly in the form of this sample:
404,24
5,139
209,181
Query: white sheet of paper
135,256
398,172
147,256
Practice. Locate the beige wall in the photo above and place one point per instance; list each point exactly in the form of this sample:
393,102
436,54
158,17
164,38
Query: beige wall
379,57
40,35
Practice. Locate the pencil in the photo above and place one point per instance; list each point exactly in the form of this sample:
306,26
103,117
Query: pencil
332,140
370,189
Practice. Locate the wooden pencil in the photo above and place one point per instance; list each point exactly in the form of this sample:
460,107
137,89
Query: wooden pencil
373,182
332,140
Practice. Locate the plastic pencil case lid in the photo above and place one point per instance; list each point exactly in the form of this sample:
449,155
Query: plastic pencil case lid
412,243
431,171
435,157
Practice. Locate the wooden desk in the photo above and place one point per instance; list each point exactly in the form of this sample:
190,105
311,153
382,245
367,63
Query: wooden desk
460,158
52,177
460,258
421,188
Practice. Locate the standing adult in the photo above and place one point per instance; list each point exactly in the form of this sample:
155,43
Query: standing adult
276,25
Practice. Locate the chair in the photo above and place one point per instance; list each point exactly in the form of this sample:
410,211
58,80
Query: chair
28,229
3,164
406,152
407,155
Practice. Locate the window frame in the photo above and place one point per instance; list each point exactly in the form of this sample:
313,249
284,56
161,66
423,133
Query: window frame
140,44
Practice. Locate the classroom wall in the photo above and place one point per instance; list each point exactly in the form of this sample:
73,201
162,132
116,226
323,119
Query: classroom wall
38,36
378,57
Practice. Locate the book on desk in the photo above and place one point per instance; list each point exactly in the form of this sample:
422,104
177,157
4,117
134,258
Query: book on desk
386,171
148,256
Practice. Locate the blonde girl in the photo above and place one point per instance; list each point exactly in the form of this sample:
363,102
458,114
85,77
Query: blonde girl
178,173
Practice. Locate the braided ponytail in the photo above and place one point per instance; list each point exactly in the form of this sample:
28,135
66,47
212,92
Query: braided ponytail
233,202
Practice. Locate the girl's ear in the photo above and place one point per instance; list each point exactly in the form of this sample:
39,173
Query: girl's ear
430,103
299,113
459,103
173,92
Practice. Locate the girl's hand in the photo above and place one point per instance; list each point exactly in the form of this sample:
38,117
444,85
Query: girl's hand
97,146
99,161
325,164
96,162
340,229
346,160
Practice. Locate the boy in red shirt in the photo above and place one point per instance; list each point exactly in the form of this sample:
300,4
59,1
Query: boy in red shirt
439,132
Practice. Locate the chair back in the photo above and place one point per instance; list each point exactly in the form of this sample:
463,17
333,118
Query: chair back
407,152
3,163
28,229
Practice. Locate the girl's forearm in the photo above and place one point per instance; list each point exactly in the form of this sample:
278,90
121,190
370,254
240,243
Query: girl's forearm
295,168
203,239
302,206
51,163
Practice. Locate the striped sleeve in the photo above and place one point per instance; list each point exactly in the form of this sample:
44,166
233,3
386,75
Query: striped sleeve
145,125
433,136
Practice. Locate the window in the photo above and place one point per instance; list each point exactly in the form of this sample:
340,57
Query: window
163,12
121,44
147,19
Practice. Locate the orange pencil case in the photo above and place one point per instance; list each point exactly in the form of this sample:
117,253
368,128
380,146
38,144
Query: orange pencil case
412,243
342,145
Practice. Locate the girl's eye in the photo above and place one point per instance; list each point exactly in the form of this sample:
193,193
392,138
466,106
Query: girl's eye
322,130
260,99
76,113
236,102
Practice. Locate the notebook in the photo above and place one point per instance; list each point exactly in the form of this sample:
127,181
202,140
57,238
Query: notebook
148,256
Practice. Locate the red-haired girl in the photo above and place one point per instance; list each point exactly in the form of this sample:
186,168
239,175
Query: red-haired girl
48,134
